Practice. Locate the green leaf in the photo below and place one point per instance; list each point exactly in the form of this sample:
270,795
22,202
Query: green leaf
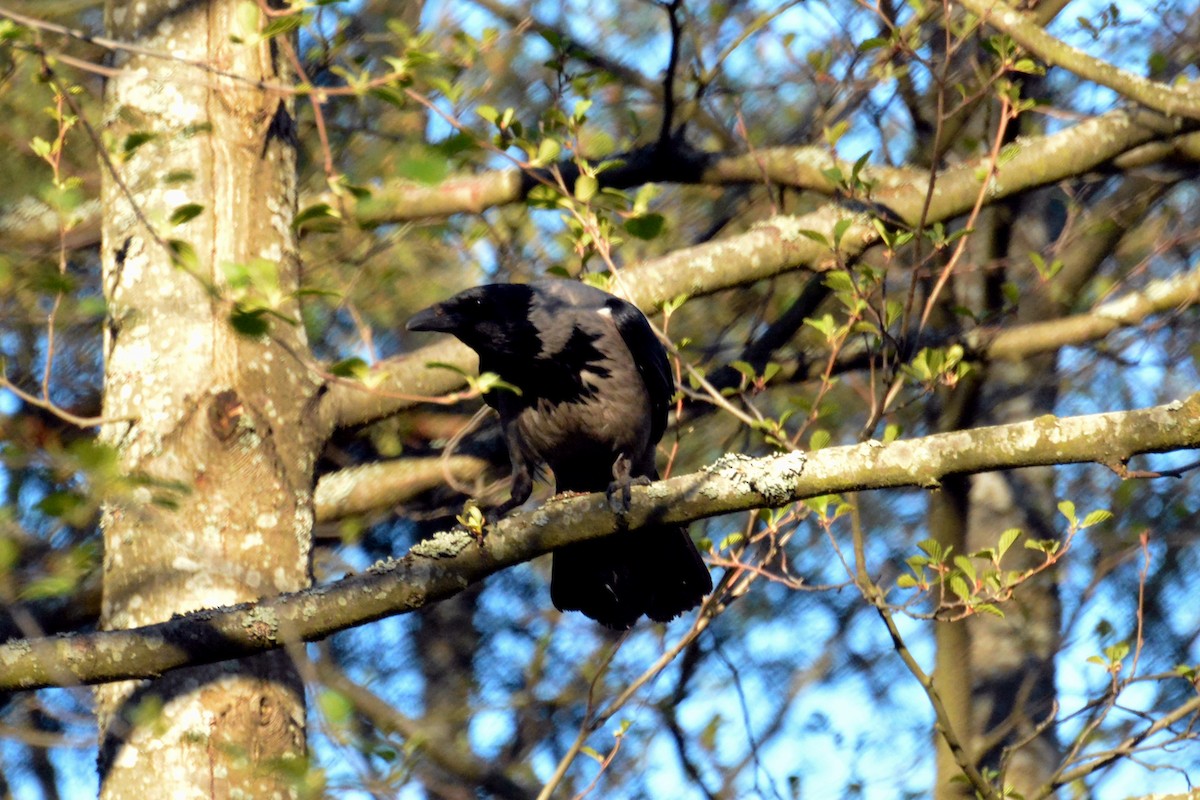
1028,66
958,585
833,134
1067,509
586,187
1011,292
834,175
906,581
1007,539
390,95
744,367
579,113
1095,518
816,236
932,548
967,566
279,26
988,608
135,140
10,30
40,147
825,325
839,281
859,163
60,504
839,230
335,706
819,504
95,457
249,322
1118,651
489,381
317,218
183,255
49,586
674,304
732,540
548,150
591,752
186,212
350,368
645,227
179,176
1047,546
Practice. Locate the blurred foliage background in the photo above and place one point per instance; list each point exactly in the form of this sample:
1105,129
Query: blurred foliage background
795,690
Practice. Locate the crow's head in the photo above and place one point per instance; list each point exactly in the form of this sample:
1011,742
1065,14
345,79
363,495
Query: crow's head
488,319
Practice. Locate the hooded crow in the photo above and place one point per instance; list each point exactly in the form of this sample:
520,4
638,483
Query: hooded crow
595,386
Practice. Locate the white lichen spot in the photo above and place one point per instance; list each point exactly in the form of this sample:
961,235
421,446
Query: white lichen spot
184,564
250,541
266,520
254,579
127,757
174,198
272,252
656,491
444,544
14,652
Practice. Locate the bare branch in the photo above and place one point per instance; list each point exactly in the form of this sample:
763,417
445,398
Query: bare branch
372,487
1155,297
1181,100
442,566
784,243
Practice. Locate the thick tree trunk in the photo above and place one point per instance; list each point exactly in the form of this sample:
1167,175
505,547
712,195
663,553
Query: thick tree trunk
223,442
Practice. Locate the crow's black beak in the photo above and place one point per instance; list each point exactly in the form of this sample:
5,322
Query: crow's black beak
433,318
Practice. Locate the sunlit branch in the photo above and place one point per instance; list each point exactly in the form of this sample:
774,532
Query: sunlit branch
442,566
1177,100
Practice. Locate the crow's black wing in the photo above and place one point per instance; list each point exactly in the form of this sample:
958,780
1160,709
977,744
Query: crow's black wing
650,358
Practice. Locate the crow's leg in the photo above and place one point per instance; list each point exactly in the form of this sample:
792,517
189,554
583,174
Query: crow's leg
522,476
619,494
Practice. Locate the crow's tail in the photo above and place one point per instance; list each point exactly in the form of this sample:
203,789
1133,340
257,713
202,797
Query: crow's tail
655,571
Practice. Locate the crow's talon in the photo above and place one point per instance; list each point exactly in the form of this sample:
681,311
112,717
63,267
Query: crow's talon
619,497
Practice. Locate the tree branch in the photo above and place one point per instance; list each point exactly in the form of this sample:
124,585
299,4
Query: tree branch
1037,337
1182,100
442,566
372,487
783,244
